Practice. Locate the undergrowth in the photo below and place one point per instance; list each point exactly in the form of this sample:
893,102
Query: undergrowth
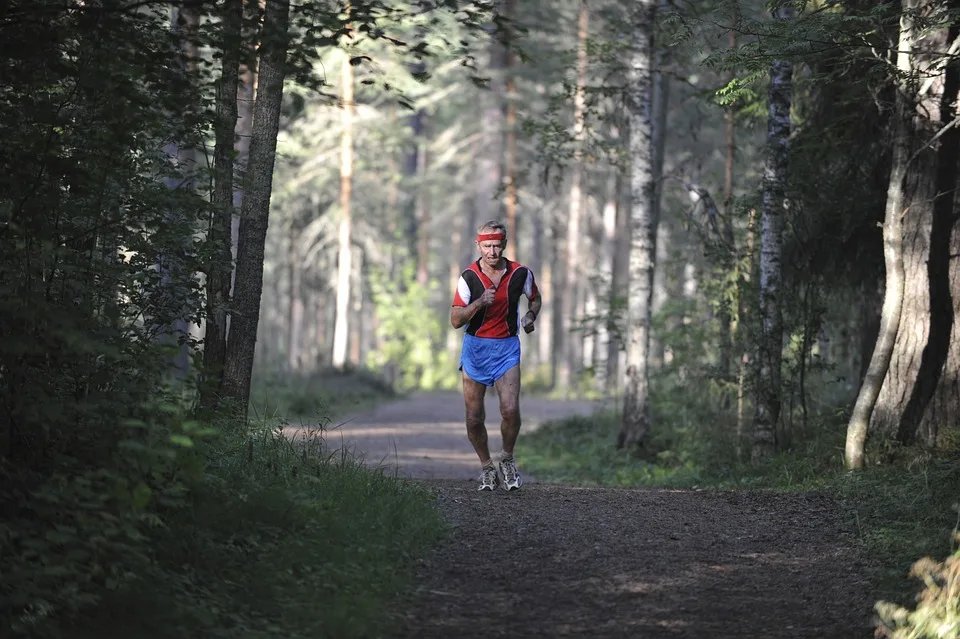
276,539
326,393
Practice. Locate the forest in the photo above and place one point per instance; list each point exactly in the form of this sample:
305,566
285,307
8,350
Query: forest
225,220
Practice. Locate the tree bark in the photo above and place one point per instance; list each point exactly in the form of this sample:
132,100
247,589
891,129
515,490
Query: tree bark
246,94
219,233
487,205
510,196
635,426
573,342
729,116
744,312
910,385
295,301
775,205
341,326
254,214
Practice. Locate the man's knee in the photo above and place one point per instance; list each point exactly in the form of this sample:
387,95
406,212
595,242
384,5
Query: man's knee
474,421
510,413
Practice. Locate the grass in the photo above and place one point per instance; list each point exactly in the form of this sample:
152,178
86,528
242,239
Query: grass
902,510
274,540
318,396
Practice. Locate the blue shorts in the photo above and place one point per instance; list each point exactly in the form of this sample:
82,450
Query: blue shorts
485,360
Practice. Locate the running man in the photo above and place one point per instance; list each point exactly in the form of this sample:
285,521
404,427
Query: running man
487,302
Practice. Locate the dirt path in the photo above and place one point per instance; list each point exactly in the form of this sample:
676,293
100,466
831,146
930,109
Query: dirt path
559,561
424,437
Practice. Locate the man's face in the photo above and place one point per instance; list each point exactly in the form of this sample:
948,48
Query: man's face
491,250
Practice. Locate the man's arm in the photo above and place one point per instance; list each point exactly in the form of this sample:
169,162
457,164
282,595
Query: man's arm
460,315
533,306
533,309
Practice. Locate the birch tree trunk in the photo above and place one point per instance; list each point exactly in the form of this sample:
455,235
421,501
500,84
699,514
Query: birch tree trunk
775,204
635,427
341,326
254,215
219,233
246,94
573,342
911,382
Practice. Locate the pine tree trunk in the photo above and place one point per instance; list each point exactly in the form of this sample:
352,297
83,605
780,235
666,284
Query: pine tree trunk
219,233
510,195
490,153
635,427
341,327
254,215
910,384
775,204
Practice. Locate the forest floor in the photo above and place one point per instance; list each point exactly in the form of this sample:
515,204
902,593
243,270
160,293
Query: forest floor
552,561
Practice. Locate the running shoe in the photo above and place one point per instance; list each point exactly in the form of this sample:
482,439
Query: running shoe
488,478
511,476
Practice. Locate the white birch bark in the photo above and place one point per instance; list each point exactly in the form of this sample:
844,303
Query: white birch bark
775,205
636,412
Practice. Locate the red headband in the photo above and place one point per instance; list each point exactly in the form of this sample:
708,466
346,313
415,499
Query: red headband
490,236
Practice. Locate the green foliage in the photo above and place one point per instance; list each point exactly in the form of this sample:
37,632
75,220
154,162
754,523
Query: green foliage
412,337
937,613
279,537
324,394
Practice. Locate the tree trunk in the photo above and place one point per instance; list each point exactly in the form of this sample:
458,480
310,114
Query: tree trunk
620,270
510,196
341,327
356,326
254,215
295,301
910,384
729,248
185,23
246,94
490,156
573,342
635,427
219,233
422,214
743,327
775,204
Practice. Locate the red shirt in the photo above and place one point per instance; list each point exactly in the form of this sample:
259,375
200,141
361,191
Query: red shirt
498,320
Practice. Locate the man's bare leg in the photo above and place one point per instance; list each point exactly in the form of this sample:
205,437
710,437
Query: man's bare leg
473,394
508,389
